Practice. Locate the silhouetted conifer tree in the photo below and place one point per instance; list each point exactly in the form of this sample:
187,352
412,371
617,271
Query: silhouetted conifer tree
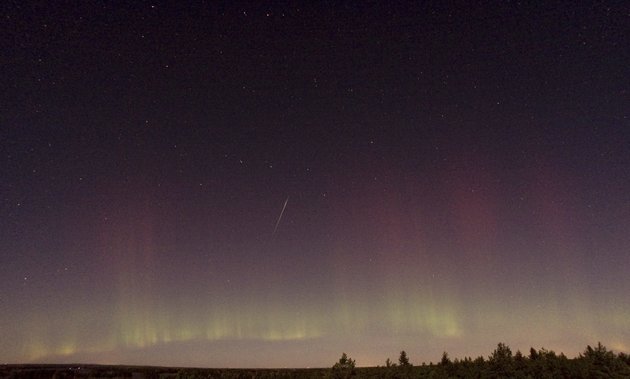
500,363
445,361
345,368
403,360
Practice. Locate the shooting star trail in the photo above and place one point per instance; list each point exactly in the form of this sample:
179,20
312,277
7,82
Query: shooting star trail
280,217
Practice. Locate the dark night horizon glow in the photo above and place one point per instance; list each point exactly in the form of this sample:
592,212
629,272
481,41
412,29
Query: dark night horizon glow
242,186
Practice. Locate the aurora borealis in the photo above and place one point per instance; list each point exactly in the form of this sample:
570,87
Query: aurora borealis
456,177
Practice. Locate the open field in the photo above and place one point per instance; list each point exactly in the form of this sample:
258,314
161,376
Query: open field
35,371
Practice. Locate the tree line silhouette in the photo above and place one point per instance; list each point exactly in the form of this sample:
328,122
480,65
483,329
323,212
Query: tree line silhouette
597,362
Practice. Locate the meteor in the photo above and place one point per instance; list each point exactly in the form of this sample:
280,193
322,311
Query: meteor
280,217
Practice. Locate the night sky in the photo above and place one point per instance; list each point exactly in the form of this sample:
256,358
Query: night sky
249,185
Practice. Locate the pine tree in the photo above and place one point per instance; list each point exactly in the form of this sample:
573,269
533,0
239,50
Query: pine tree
403,360
501,364
344,368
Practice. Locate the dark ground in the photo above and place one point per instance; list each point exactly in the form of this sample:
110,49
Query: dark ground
594,362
